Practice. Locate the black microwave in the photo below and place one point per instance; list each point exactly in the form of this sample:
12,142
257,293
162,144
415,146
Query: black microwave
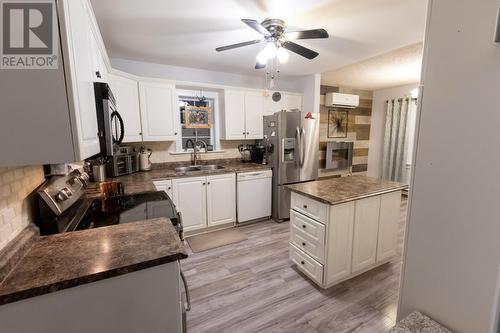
110,124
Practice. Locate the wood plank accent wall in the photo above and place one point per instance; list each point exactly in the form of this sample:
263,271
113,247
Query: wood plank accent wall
358,130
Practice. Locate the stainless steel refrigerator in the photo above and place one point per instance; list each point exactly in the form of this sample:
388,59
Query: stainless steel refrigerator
295,140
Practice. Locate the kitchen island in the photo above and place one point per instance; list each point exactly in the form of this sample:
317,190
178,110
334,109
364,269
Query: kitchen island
342,227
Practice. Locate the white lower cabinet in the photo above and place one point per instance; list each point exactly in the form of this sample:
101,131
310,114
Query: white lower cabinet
366,221
346,239
390,211
190,201
202,201
221,199
165,185
340,243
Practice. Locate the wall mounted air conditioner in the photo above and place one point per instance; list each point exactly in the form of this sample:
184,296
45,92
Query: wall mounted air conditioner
342,100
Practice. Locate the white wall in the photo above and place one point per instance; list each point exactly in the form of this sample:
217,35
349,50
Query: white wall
376,145
291,83
452,253
311,89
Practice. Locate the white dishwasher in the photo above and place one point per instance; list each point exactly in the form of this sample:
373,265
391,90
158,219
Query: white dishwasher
254,195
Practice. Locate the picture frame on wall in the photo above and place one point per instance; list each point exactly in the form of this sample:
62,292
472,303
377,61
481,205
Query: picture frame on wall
198,117
337,123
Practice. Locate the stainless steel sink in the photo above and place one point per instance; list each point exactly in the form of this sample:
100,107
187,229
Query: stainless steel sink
198,168
211,167
187,168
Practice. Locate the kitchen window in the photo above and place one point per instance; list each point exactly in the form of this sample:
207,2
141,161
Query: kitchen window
207,135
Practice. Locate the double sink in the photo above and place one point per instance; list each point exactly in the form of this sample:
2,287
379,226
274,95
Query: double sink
190,168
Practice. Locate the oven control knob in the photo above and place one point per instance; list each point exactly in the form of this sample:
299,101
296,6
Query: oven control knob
67,191
61,196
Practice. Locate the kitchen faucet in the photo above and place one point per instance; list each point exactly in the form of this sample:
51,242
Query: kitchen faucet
196,151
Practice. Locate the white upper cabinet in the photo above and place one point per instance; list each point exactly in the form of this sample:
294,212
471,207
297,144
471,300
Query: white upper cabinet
254,111
242,116
159,111
234,115
126,92
82,64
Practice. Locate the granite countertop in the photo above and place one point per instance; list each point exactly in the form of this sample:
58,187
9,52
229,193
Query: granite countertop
167,171
335,191
418,323
142,181
70,259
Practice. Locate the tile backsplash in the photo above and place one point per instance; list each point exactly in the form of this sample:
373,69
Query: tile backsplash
162,151
16,183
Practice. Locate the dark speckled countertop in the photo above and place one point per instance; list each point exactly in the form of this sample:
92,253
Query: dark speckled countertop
70,259
142,181
335,191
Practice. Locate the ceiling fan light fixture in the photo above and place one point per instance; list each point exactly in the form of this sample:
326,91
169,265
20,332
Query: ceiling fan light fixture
268,52
282,55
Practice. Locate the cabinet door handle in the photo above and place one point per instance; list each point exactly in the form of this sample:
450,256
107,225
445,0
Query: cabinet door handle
208,183
303,243
243,133
302,262
304,226
175,133
305,206
203,184
248,133
98,74
169,188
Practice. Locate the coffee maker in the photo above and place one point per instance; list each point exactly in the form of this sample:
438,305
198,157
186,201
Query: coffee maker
260,150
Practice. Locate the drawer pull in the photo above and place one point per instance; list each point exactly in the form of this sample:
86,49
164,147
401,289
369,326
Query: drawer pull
302,262
303,243
304,226
305,206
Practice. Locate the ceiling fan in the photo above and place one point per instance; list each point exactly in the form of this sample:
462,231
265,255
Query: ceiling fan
278,40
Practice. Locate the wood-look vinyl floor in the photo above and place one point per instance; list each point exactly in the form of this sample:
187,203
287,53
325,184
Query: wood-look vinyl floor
252,286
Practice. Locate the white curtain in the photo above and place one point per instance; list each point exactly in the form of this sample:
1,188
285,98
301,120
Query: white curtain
396,140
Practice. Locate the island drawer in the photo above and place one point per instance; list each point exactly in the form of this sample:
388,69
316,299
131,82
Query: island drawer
304,242
313,230
306,264
312,208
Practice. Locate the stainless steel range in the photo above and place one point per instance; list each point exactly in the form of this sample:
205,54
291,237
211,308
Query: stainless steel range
63,207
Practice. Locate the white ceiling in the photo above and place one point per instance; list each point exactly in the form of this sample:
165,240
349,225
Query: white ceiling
395,68
185,33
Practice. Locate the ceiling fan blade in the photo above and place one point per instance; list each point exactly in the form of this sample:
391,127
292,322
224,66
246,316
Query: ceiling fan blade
233,46
306,34
303,51
256,26
259,66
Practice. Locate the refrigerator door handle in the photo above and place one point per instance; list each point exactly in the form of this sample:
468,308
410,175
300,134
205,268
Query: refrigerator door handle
298,141
302,148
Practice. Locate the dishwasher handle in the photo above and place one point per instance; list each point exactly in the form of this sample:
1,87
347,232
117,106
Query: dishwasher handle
254,175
